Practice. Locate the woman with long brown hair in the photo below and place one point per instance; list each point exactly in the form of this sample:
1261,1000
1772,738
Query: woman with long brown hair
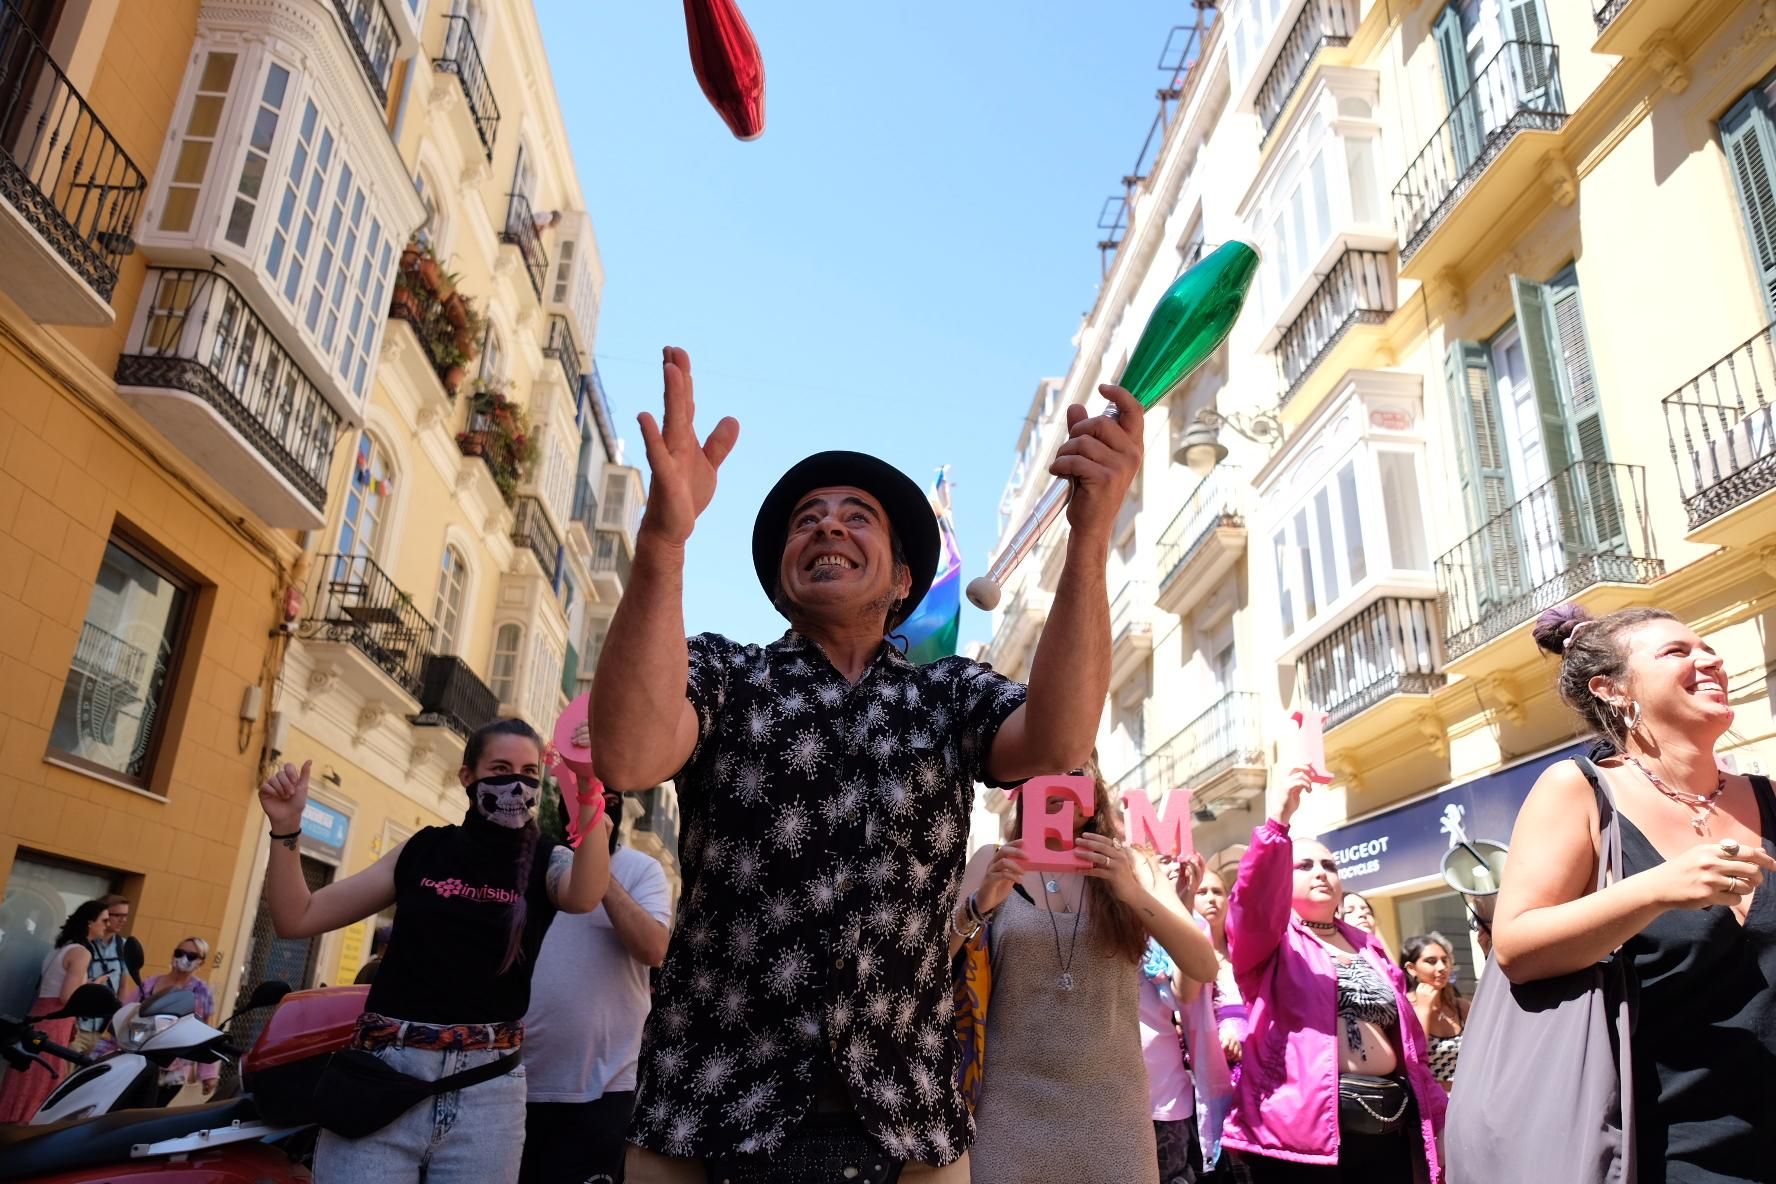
1063,1021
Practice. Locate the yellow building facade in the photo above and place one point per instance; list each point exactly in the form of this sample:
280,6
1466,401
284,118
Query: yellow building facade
141,588
1511,345
306,457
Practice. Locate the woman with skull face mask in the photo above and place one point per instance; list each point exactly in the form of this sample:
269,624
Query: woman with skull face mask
473,902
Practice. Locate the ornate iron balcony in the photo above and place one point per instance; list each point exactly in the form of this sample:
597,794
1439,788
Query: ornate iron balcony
1392,647
1588,525
1226,735
1358,290
60,167
203,338
560,346
101,654
1722,430
521,231
453,696
530,527
1519,89
462,58
356,603
1322,23
1215,502
372,34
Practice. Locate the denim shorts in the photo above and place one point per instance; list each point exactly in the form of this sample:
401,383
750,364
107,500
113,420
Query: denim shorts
467,1136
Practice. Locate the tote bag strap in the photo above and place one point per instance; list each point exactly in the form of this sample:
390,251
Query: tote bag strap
1609,871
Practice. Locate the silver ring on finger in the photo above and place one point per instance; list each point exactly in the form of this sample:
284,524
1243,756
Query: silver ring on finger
1735,885
1729,847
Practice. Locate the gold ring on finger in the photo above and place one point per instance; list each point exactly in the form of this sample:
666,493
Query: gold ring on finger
1735,885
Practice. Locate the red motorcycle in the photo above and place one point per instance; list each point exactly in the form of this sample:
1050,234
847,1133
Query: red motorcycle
261,1137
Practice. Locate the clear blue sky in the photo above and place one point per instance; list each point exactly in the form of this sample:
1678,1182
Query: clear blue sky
892,267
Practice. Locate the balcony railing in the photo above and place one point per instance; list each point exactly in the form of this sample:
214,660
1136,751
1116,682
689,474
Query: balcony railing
462,58
1723,436
610,553
452,696
1586,526
530,527
1225,736
1322,23
1392,647
585,506
372,34
1214,503
560,346
599,402
60,167
102,654
357,604
1359,290
1129,611
1606,11
1518,90
201,337
521,231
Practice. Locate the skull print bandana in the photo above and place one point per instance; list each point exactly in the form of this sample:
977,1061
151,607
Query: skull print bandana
506,800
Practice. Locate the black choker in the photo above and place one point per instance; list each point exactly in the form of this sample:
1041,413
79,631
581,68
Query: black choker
1322,926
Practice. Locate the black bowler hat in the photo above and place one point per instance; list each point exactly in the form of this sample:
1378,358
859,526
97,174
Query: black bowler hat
909,514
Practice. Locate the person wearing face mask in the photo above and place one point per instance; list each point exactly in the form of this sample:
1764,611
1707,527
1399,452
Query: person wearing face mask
1334,1083
1689,915
188,958
473,902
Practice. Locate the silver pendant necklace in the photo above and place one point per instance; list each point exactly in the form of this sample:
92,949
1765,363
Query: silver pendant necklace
1701,804
1065,981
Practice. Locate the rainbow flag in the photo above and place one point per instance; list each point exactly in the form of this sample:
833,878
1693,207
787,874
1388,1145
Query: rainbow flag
930,633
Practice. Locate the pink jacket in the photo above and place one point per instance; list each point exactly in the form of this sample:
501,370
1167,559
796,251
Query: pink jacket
1286,1100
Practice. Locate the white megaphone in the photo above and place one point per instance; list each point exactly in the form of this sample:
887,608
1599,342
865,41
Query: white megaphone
1475,868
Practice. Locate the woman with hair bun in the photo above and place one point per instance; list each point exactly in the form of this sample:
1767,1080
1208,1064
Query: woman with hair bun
1698,936
473,903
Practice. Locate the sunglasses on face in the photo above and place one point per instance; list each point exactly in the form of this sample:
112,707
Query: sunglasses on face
1329,866
188,955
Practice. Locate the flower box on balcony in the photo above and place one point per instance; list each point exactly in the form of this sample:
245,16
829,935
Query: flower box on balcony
443,317
499,433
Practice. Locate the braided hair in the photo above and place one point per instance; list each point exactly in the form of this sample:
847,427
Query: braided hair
530,837
1589,647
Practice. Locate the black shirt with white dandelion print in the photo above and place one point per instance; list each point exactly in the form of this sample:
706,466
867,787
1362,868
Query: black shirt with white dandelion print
824,832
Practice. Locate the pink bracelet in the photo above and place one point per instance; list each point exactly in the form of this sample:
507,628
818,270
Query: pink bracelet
574,831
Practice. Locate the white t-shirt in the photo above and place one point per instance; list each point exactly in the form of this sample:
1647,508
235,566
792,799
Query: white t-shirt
589,996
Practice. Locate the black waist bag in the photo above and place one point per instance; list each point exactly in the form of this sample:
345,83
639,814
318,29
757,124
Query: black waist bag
357,1095
825,1149
1372,1105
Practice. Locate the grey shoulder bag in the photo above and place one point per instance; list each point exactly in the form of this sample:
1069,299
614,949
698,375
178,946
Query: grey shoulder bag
1544,1089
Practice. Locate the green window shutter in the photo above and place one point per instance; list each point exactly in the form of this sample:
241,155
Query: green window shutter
1603,510
1748,136
1452,51
1526,23
1537,330
1485,473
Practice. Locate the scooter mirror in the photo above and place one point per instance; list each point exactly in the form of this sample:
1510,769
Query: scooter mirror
91,1001
134,958
171,1003
269,993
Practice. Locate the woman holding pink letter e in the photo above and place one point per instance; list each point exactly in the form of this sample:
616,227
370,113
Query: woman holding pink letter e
1334,1084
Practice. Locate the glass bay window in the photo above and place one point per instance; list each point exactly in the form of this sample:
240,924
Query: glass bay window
1345,522
288,176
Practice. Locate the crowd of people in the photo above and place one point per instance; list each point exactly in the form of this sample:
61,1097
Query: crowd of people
844,995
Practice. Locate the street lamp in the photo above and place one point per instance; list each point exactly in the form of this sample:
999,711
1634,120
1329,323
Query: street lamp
1201,448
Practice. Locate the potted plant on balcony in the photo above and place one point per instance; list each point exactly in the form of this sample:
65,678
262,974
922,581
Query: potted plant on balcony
499,433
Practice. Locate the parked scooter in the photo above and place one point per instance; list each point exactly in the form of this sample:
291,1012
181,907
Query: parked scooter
101,1124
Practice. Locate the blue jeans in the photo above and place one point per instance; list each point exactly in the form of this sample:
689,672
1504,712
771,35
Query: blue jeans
466,1136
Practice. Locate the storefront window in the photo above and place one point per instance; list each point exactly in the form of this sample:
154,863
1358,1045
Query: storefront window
40,893
1445,913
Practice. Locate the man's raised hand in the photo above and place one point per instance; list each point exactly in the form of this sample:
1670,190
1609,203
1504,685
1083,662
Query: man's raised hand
683,467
